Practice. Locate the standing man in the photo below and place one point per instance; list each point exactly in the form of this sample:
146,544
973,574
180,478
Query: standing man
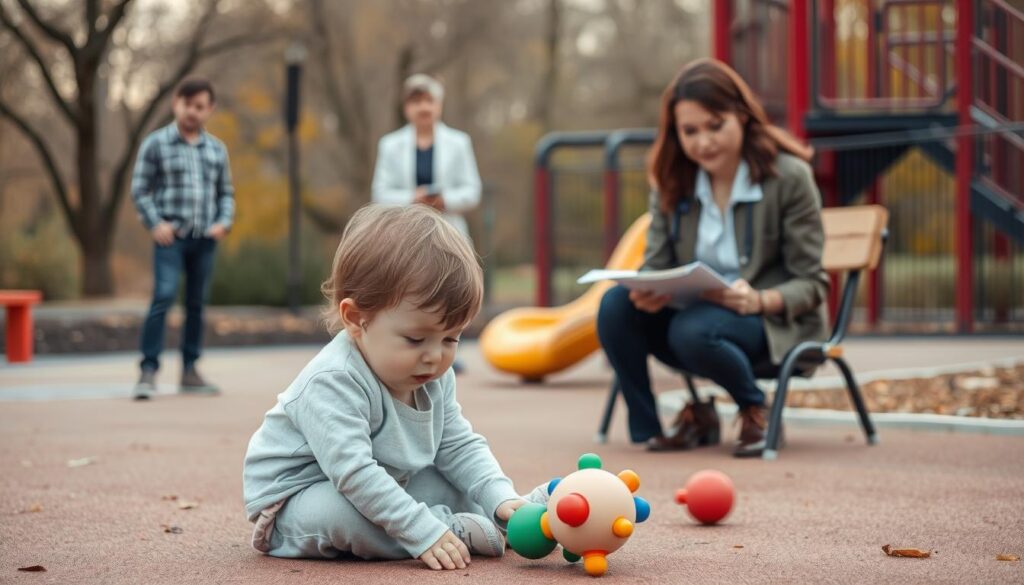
425,161
182,190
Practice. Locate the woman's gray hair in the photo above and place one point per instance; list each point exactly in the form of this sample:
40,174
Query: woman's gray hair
422,83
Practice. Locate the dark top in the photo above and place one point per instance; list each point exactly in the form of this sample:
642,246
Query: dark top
424,166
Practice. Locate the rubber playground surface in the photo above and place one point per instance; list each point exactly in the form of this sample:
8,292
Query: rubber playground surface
98,489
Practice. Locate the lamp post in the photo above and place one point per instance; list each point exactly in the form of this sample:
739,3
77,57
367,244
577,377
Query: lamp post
293,57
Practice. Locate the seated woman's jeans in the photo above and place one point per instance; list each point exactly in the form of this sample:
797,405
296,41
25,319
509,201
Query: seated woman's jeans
704,339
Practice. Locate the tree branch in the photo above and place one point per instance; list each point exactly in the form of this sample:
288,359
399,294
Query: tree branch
457,46
48,162
114,18
91,15
96,44
237,42
351,130
33,52
51,31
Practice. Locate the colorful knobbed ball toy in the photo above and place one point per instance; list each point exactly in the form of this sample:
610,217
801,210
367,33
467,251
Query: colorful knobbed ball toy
590,512
708,496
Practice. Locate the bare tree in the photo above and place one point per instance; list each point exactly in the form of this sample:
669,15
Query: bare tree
548,89
91,210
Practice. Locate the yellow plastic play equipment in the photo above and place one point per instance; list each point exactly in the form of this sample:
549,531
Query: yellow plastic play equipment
536,341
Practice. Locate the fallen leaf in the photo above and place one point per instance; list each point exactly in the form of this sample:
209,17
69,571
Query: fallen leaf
169,497
915,553
81,462
737,546
171,529
1007,557
33,569
186,505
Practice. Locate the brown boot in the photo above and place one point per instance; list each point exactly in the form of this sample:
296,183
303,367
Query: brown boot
696,425
709,428
753,431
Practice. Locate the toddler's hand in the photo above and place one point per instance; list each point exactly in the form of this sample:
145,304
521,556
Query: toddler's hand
504,511
447,553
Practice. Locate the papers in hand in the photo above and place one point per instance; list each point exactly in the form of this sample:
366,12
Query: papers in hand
684,281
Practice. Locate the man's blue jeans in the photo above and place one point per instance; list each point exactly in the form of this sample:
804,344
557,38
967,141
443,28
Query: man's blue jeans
195,257
705,339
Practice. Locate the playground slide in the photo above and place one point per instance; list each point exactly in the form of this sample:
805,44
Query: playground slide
536,341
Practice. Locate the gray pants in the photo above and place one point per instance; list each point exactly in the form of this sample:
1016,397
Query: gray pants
319,522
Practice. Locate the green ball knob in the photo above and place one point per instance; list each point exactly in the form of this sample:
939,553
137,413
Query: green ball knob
571,557
589,461
525,535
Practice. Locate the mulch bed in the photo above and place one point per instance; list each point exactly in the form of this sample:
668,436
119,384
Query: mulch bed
993,392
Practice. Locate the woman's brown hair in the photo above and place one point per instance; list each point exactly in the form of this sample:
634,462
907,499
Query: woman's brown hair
716,87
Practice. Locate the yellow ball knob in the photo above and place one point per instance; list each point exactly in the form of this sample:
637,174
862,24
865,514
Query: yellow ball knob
595,564
545,526
622,528
631,479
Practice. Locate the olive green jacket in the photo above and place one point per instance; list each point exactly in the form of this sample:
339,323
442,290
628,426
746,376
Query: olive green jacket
785,251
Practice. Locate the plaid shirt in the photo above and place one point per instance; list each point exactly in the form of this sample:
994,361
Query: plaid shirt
186,185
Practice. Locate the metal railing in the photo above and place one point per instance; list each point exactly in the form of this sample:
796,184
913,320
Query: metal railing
888,55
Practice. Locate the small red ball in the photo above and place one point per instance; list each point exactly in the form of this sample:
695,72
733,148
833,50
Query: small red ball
708,496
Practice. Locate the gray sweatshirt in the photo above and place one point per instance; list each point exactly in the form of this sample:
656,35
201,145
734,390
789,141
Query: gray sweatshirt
337,422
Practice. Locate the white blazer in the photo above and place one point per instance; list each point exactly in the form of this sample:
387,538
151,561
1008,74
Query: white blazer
455,172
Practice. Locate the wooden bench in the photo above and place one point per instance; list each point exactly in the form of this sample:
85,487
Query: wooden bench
19,322
854,238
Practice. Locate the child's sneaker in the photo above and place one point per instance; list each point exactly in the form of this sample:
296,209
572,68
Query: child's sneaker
479,534
539,495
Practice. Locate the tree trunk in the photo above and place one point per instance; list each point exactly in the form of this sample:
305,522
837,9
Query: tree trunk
97,277
94,235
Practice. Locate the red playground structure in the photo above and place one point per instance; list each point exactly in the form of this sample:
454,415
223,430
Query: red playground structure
944,77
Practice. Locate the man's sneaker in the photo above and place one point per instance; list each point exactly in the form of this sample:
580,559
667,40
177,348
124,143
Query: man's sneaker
146,385
193,383
479,534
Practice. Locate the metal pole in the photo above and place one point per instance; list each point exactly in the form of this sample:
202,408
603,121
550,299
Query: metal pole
294,258
799,64
964,166
293,57
722,31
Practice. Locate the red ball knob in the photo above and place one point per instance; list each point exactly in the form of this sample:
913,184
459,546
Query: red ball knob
573,509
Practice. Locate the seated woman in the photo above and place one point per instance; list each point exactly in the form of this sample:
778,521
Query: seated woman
734,192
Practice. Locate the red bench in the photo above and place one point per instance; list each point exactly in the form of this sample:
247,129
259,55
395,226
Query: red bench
19,322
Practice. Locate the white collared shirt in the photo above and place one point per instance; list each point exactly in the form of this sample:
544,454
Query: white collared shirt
716,234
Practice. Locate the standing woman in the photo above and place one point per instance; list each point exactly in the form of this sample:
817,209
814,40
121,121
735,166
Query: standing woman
427,161
734,192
